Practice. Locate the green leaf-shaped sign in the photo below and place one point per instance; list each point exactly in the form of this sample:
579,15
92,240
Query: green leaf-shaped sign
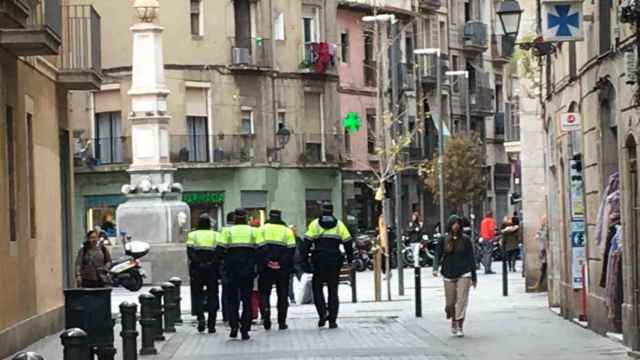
351,122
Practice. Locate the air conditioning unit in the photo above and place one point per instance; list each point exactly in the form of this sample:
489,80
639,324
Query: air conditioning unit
241,56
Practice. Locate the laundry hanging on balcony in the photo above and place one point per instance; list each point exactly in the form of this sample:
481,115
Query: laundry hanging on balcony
322,55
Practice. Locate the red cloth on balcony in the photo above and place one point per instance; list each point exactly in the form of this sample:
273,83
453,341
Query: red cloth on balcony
322,57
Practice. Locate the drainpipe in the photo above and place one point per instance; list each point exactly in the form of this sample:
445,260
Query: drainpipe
323,143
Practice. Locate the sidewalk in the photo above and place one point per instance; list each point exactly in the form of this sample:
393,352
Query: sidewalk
517,327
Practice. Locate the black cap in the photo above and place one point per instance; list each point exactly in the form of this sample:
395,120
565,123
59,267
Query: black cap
274,213
327,209
230,217
240,213
204,222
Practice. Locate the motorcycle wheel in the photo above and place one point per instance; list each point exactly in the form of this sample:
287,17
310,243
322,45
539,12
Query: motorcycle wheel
133,283
358,265
425,260
407,258
370,265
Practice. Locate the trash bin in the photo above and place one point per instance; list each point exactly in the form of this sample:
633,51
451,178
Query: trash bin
90,310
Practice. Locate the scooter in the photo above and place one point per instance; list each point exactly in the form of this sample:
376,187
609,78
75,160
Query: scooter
127,271
361,258
427,252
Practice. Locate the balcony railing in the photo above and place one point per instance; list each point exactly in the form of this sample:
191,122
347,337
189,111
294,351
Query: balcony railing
499,125
38,33
217,149
429,70
308,149
81,39
104,151
475,36
318,58
251,52
407,79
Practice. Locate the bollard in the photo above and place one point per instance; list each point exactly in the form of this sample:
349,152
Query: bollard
505,274
169,307
75,343
354,287
177,282
105,352
148,324
158,295
417,273
129,333
29,355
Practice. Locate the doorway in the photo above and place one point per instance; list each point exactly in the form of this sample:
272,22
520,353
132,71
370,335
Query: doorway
633,224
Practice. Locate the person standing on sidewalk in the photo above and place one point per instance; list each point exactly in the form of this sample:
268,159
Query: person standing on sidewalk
487,239
276,247
295,272
322,247
458,270
204,273
510,240
239,242
93,263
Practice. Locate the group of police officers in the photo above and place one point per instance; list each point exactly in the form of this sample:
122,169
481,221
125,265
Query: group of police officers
239,253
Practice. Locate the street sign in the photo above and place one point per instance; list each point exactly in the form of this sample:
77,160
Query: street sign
562,21
570,121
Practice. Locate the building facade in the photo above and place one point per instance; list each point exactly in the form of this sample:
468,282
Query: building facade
41,59
590,78
239,72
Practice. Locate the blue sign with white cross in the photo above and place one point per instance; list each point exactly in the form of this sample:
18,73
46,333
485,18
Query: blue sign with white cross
562,21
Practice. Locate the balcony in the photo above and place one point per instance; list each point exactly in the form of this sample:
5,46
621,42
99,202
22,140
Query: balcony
475,37
500,48
481,94
40,35
105,151
308,149
407,79
80,53
250,54
221,149
499,126
318,58
430,5
429,71
13,14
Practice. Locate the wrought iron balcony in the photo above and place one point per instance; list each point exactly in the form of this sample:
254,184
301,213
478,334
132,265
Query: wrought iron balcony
475,37
79,60
13,14
39,34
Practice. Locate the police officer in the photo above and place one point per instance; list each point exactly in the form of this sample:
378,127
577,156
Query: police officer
276,248
239,242
321,247
223,295
204,266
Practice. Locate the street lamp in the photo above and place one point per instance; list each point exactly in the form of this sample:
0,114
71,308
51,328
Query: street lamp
464,73
380,17
147,10
438,110
282,135
509,14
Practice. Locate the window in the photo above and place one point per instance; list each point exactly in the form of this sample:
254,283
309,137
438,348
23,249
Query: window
282,119
344,47
468,10
108,141
443,38
604,24
371,132
11,172
197,149
246,122
369,62
453,7
278,27
456,80
310,29
31,176
196,18
573,61
255,203
347,142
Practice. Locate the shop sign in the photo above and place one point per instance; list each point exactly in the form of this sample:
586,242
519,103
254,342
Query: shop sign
578,253
203,197
570,121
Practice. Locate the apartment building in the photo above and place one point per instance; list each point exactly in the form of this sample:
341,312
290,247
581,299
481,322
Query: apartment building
42,57
254,106
591,78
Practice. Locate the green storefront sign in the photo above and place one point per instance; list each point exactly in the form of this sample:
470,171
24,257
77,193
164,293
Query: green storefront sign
203,198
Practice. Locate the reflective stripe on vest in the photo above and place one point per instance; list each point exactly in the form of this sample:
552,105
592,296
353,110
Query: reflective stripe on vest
202,239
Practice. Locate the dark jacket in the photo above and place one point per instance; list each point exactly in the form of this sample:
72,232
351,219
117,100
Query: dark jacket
459,262
93,264
275,252
510,238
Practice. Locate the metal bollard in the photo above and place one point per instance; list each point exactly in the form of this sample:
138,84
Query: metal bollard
105,352
129,333
158,295
177,282
75,343
505,274
417,270
169,307
29,355
148,324
354,285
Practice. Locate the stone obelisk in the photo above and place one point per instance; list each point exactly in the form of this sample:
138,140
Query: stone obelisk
153,211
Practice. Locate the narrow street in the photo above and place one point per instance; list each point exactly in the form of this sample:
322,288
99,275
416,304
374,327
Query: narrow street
517,327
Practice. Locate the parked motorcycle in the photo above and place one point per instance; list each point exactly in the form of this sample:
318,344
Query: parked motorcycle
427,252
127,271
362,259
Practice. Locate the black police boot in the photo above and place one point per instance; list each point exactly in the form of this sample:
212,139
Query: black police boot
201,324
245,336
234,333
322,322
333,325
283,326
267,324
211,323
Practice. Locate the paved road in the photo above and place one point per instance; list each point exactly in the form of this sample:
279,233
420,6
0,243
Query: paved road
517,327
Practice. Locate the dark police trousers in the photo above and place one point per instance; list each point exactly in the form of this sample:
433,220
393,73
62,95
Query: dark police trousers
238,289
204,294
324,274
279,278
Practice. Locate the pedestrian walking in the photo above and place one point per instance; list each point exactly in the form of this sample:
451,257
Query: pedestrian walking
487,241
542,237
456,260
223,294
296,272
321,247
509,242
239,242
415,227
93,263
276,248
204,272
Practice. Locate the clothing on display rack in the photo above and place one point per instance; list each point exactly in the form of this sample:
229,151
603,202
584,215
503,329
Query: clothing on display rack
607,205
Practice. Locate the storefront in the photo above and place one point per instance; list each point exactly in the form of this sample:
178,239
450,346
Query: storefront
205,203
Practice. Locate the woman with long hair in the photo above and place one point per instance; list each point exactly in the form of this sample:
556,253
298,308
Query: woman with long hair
93,263
458,268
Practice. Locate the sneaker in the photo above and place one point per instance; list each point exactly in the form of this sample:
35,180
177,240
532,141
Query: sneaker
460,330
454,328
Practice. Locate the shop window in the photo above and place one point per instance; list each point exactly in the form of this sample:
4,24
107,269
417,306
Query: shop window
210,203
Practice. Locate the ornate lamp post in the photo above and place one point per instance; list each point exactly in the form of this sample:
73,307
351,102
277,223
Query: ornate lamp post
510,14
